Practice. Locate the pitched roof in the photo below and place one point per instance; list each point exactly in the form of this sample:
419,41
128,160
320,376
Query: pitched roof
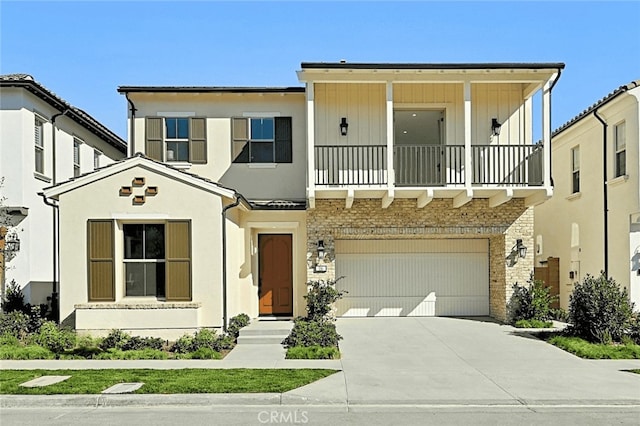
81,117
611,96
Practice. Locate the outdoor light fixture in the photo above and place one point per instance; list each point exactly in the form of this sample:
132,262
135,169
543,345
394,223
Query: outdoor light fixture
12,244
495,127
320,249
344,126
522,250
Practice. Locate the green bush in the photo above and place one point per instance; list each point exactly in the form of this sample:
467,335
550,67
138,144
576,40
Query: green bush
320,298
204,338
205,353
9,340
634,328
599,310
25,352
183,345
236,323
136,343
533,324
14,299
56,339
15,323
312,352
308,332
136,354
116,339
530,303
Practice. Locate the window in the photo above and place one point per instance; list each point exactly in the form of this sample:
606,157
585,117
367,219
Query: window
575,169
39,145
262,140
172,139
177,139
96,158
76,157
144,260
620,156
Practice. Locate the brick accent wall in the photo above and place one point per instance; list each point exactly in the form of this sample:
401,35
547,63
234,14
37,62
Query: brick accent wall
366,219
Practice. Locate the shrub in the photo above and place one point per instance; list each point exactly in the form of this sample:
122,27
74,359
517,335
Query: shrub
236,323
634,329
204,338
116,339
205,353
9,340
25,352
136,354
15,323
530,303
183,345
308,332
55,338
320,298
135,343
312,352
559,314
599,310
14,299
533,324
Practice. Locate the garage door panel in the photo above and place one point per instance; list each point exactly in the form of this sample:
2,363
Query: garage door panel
398,284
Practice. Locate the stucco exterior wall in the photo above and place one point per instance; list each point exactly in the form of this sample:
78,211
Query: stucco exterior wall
571,226
254,181
330,220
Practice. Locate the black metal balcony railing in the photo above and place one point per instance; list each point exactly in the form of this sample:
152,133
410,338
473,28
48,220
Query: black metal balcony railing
429,165
351,165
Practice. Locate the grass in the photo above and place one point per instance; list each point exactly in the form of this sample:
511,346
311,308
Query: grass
25,352
533,323
164,381
313,352
584,349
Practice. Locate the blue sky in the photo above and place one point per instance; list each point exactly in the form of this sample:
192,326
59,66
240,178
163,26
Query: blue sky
84,50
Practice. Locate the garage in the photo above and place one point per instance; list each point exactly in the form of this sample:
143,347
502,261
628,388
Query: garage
441,277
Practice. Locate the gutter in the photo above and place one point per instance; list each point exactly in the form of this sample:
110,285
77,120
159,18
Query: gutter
132,130
239,198
605,201
55,312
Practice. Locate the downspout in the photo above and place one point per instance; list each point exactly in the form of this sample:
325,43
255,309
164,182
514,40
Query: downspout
132,133
55,312
225,319
605,197
551,115
55,221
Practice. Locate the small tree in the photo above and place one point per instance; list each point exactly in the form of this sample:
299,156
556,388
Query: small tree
599,310
531,303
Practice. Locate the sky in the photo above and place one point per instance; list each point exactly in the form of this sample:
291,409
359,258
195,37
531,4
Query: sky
84,50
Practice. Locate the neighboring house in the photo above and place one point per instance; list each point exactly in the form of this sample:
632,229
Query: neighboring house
414,181
592,223
43,141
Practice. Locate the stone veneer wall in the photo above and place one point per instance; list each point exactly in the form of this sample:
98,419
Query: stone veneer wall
366,219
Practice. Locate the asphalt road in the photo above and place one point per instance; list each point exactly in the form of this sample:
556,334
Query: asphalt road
314,415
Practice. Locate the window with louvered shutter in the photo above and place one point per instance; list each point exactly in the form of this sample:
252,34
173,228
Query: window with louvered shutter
39,145
198,140
262,140
178,260
100,259
154,137
76,157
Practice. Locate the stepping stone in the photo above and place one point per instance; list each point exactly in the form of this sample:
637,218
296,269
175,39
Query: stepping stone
44,381
123,388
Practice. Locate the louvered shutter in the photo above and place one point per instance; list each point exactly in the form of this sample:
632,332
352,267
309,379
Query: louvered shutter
154,137
100,256
178,260
198,140
283,140
240,145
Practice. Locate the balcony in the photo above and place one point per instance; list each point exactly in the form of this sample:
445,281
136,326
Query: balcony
428,165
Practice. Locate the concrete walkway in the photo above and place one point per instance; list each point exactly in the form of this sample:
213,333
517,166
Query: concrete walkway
401,362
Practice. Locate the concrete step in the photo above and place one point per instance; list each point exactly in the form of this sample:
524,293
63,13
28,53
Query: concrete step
261,340
265,332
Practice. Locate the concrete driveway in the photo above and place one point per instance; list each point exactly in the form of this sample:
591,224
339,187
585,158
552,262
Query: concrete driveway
471,361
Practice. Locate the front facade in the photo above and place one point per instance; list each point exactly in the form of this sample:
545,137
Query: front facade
596,176
416,182
44,141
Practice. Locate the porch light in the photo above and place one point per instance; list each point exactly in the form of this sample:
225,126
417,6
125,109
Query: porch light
495,127
522,250
320,249
344,126
12,244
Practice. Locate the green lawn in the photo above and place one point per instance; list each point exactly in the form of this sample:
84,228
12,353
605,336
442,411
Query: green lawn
584,349
164,381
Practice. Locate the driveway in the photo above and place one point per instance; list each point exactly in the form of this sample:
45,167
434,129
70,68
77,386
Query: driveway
471,361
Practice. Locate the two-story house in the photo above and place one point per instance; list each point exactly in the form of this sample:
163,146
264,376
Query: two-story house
43,141
414,181
592,223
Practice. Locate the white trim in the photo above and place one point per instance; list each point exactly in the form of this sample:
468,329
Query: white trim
182,165
261,114
140,216
40,116
573,196
168,114
262,165
273,225
618,180
42,177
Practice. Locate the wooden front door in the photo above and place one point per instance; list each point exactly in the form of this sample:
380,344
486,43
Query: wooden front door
275,287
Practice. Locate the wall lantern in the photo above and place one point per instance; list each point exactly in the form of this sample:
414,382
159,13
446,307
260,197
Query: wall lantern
320,249
12,244
495,127
521,249
344,126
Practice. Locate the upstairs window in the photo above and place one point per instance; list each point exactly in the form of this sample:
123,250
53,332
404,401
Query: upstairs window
176,139
39,145
575,169
76,157
262,140
620,146
96,158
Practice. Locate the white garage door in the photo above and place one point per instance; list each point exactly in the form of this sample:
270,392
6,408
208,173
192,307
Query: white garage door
404,277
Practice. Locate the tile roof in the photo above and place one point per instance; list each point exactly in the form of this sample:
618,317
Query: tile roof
81,117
